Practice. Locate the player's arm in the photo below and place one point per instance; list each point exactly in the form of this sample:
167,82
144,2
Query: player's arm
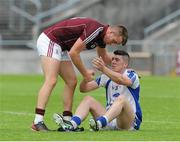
88,86
107,57
76,59
115,76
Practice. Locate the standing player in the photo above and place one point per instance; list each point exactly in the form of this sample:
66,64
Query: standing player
122,98
69,38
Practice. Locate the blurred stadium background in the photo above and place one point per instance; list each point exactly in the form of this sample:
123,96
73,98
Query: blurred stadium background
154,31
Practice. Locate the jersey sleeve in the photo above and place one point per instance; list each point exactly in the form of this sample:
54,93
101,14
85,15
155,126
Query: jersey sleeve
101,43
102,80
132,75
91,31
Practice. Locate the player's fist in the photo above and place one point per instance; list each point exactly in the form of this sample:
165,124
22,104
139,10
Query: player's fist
89,76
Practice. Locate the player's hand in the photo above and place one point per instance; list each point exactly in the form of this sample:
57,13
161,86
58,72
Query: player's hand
98,63
89,75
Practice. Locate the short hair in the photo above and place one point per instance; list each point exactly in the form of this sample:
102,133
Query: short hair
123,53
124,33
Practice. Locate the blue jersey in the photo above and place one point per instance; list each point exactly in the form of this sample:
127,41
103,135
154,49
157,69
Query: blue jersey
113,90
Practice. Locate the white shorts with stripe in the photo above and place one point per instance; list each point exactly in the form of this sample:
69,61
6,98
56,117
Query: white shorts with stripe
47,47
113,126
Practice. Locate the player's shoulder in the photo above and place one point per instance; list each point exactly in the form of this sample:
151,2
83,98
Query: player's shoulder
133,76
131,73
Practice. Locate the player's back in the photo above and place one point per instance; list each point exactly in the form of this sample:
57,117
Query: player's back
73,26
68,31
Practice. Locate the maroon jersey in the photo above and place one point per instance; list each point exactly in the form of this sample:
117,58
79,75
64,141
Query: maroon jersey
66,33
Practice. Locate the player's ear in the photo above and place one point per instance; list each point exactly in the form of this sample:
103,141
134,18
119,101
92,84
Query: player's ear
125,65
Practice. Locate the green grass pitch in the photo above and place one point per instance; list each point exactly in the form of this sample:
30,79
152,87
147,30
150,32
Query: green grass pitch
159,98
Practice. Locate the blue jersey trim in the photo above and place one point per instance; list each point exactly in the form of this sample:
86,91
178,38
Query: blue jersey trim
135,94
98,80
107,85
132,76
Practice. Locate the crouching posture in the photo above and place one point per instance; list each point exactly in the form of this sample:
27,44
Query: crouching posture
122,86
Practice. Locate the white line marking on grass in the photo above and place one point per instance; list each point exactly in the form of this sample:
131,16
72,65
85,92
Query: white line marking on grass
166,97
162,122
16,113
31,114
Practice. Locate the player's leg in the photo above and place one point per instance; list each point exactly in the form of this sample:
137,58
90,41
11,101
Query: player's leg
50,68
120,109
68,75
126,118
50,62
124,114
88,104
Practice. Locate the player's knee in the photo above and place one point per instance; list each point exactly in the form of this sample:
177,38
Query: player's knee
88,99
51,82
72,83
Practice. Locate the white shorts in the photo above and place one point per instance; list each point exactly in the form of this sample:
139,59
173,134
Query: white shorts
113,126
47,47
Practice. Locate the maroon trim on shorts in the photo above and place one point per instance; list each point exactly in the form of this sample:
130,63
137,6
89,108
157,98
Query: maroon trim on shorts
50,49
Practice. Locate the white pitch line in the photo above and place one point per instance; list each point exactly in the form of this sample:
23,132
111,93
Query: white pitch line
16,113
148,121
170,97
162,122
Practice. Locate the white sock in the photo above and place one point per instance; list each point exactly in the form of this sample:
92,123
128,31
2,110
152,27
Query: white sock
38,118
68,118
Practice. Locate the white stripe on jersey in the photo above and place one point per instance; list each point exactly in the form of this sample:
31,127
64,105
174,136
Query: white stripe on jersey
93,35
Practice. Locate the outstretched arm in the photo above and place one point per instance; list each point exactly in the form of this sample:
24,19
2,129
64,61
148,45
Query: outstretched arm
88,86
115,76
75,56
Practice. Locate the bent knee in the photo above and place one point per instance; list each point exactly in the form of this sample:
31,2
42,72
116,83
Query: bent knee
88,99
72,83
51,82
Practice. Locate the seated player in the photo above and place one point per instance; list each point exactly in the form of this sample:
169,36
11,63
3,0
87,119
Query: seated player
122,86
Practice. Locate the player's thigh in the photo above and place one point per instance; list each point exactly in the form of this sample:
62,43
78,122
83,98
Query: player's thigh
50,54
50,67
96,108
47,47
67,72
126,118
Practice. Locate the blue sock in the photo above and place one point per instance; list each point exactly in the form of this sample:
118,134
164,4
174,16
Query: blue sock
103,120
77,121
